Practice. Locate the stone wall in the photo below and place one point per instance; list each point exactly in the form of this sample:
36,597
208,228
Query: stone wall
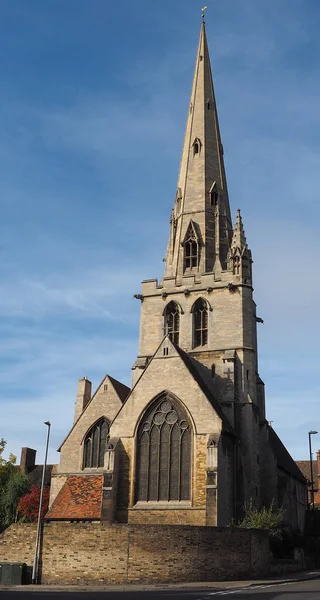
96,553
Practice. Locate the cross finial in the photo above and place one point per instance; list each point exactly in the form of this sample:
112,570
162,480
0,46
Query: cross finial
204,8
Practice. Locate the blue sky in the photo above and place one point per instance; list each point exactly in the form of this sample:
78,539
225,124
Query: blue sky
94,97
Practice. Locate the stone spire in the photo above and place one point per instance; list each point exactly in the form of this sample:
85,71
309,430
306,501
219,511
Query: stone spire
239,238
202,193
239,257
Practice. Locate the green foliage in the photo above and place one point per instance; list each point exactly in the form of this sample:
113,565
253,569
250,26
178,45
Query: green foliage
13,485
268,517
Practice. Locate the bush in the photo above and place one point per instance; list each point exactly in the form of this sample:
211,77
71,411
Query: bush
268,518
28,507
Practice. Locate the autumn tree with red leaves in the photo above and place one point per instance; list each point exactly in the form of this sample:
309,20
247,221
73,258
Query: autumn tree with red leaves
28,507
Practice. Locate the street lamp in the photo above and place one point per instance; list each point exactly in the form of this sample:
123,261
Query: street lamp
311,467
35,560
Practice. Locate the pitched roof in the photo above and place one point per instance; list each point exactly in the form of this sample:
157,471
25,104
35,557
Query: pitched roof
35,474
284,459
79,498
304,467
122,390
202,375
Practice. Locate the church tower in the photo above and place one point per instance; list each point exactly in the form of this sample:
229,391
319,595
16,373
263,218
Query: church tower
188,443
204,301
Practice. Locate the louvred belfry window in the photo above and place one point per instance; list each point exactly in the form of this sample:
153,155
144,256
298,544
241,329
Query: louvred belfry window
172,322
164,453
200,323
95,445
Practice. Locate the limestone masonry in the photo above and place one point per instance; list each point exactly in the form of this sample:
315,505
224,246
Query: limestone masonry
189,443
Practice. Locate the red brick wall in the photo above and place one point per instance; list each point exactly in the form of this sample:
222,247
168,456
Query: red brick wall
97,553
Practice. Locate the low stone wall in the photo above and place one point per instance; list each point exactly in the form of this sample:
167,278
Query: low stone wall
99,553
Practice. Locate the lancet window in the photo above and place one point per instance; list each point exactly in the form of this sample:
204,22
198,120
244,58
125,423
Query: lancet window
200,323
214,195
196,146
172,322
191,249
95,445
164,453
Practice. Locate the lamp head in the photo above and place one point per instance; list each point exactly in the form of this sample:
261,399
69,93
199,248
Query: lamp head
47,423
313,432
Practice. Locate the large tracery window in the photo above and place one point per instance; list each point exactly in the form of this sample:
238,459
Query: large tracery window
95,445
164,453
200,323
172,322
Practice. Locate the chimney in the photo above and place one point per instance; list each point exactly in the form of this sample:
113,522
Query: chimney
28,459
83,397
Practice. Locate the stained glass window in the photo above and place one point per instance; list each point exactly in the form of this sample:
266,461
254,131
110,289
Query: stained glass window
164,453
95,445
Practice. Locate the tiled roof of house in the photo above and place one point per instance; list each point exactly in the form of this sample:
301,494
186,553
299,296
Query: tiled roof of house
304,466
79,498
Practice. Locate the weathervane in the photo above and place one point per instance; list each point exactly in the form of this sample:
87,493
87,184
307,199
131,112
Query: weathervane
203,10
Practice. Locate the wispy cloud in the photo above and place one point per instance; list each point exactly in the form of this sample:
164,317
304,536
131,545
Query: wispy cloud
89,153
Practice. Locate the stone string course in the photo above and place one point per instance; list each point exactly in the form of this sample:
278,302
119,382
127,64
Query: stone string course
93,552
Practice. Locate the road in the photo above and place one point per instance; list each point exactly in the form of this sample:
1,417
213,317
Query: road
302,590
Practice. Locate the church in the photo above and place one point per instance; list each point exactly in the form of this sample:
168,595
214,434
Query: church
189,443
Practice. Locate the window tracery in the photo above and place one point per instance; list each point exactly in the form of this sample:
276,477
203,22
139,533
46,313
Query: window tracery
191,249
164,453
95,445
172,322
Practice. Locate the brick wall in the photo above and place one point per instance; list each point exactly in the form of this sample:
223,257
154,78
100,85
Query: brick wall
98,553
192,516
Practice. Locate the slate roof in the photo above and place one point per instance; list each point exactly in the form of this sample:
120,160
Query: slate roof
35,474
122,390
202,375
284,460
79,498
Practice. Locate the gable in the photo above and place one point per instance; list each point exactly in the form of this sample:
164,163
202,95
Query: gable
105,402
168,371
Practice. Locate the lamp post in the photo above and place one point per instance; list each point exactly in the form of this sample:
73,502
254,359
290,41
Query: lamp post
311,467
35,560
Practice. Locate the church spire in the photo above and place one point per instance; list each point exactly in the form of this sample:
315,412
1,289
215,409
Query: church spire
202,193
239,238
239,257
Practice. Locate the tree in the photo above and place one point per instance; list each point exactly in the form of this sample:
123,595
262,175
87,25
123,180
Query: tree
13,484
28,507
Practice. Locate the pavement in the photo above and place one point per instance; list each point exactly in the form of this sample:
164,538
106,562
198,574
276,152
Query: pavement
187,589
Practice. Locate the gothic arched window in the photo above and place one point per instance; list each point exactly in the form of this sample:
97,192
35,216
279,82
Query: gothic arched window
164,453
200,323
95,444
196,146
172,322
190,253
